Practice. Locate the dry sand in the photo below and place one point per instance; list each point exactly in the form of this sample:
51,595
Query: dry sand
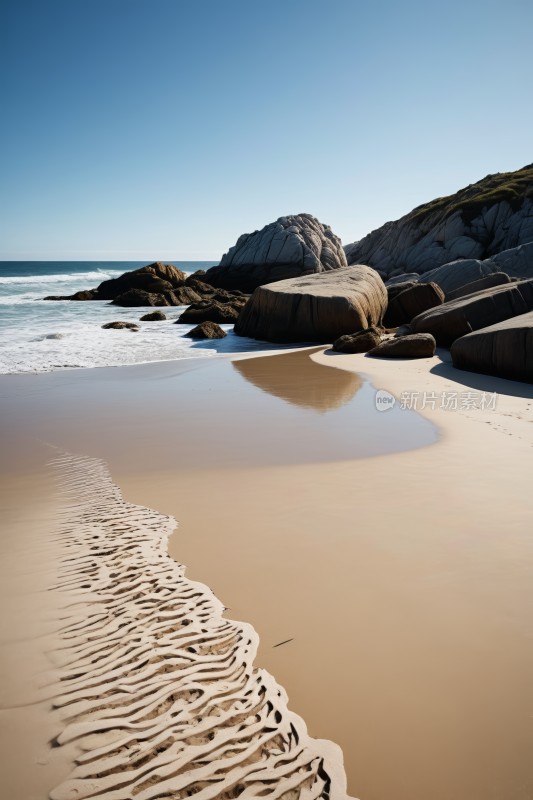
403,580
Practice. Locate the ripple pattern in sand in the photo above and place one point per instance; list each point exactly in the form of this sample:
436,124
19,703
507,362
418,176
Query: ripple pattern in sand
157,689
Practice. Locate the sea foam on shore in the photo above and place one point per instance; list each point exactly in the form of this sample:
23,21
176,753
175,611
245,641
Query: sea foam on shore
39,335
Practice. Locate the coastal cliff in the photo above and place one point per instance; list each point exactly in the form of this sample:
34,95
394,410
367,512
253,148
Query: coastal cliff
478,222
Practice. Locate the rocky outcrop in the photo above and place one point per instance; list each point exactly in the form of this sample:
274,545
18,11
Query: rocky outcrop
421,345
153,316
208,311
118,326
411,302
291,247
184,296
315,308
478,222
496,279
198,286
83,295
360,342
136,298
199,275
475,311
504,349
156,278
207,330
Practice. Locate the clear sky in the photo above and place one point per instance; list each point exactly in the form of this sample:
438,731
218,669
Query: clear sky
163,129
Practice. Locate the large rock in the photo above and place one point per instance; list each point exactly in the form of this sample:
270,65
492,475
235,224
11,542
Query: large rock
496,279
154,278
504,349
411,302
419,345
396,288
292,246
459,273
222,313
315,308
207,330
360,342
475,311
478,222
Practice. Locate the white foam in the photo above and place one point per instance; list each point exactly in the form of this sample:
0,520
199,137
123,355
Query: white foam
97,275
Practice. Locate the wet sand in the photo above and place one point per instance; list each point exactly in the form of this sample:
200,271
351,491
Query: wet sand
402,579
29,623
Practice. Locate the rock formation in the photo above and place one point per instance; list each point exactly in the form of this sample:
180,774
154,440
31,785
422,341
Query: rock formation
504,349
83,295
456,274
394,289
208,311
155,278
475,311
291,247
200,287
153,316
478,222
496,279
137,298
360,342
517,261
419,345
207,330
120,326
411,302
315,308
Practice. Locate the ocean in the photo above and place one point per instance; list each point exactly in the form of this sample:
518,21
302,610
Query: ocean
38,335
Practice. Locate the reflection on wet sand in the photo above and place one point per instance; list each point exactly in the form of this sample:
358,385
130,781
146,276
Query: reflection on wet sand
293,377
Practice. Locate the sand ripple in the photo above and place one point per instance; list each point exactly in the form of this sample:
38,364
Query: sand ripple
157,689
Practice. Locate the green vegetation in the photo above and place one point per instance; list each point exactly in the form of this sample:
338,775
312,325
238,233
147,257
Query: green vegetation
511,186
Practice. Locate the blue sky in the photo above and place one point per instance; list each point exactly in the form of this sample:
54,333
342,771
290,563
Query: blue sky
162,129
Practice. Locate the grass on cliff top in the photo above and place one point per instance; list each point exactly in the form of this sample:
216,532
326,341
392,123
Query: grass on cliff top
511,186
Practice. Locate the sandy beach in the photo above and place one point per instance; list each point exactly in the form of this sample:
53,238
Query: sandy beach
401,578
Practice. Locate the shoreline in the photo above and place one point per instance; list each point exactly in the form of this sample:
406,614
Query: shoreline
386,576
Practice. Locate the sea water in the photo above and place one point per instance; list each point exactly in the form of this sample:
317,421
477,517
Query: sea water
39,335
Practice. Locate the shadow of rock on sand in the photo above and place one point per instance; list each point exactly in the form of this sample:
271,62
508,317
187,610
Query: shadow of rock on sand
474,380
483,383
295,378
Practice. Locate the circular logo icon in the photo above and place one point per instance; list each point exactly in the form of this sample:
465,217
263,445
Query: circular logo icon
384,400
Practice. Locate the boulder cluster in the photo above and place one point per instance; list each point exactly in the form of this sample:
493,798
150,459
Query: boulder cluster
456,272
